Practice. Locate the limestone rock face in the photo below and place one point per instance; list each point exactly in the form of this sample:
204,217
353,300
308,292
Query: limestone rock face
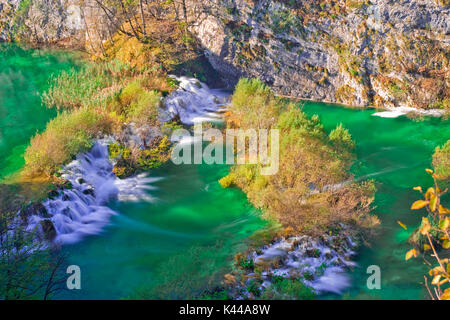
379,52
69,23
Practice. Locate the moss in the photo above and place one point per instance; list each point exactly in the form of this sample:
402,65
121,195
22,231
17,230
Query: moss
131,161
155,156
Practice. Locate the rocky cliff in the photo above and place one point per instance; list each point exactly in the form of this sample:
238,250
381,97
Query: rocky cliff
381,52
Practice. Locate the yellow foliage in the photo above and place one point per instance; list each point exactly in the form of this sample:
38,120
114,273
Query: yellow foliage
435,228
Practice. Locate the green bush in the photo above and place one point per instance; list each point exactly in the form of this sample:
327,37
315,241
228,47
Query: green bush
83,87
135,103
341,139
140,106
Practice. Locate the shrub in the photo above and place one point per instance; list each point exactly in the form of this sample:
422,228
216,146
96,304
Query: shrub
341,139
249,99
135,103
84,87
140,106
65,136
435,232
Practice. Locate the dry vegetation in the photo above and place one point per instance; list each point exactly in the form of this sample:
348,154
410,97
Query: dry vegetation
306,194
441,162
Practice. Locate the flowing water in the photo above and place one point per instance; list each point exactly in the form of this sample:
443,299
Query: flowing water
183,224
23,75
394,152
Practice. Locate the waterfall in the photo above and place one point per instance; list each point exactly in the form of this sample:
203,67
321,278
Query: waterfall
82,209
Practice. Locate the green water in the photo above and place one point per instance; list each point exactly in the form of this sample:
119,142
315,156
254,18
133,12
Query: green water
23,75
191,210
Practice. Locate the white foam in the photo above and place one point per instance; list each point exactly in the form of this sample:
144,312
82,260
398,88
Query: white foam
388,114
301,255
402,110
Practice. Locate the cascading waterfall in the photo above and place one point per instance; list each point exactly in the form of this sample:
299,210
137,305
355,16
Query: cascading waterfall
81,210
396,112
